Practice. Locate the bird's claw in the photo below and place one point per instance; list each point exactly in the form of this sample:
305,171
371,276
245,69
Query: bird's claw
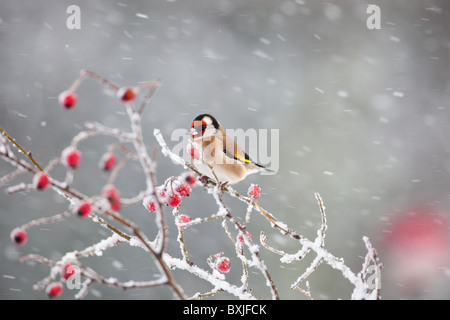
204,180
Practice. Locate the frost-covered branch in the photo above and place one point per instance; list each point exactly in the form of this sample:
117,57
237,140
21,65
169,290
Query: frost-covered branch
105,208
363,289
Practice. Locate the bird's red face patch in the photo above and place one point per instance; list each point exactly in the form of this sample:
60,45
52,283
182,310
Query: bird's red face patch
199,126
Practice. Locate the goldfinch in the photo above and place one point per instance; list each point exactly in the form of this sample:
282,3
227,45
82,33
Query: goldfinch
221,156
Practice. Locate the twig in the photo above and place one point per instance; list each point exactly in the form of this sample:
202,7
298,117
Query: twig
89,74
153,85
306,292
27,154
47,220
239,253
263,240
181,241
323,229
259,263
11,176
198,296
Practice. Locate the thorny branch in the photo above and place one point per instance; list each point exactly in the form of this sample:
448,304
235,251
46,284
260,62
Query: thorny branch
129,233
362,290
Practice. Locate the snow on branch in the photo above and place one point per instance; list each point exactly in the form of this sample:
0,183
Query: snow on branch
363,288
104,209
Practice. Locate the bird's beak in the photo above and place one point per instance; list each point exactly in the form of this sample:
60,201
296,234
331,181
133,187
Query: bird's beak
192,132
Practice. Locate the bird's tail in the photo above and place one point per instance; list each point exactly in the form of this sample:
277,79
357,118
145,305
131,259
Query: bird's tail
263,168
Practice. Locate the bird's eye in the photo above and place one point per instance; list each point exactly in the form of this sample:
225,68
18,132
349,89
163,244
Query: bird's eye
199,126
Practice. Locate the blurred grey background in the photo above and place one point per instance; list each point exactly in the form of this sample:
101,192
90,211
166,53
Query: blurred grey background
363,118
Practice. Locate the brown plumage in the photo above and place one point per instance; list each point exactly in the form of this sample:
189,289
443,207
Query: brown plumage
222,157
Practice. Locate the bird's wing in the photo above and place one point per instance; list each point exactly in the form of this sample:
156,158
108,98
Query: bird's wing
234,151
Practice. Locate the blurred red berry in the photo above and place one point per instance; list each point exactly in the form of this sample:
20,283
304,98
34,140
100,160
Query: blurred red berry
182,219
54,289
19,236
254,191
126,94
417,243
241,237
67,99
71,157
189,178
183,190
194,151
162,195
112,195
174,200
68,270
84,208
41,181
149,204
108,161
223,264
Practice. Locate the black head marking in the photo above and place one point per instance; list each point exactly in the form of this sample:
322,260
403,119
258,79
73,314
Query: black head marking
215,123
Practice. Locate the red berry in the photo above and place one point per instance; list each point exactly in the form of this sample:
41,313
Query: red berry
112,195
68,270
189,178
126,94
149,204
19,236
108,161
162,195
254,191
174,200
54,289
223,264
71,157
241,237
84,208
183,190
194,151
67,99
182,219
40,181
